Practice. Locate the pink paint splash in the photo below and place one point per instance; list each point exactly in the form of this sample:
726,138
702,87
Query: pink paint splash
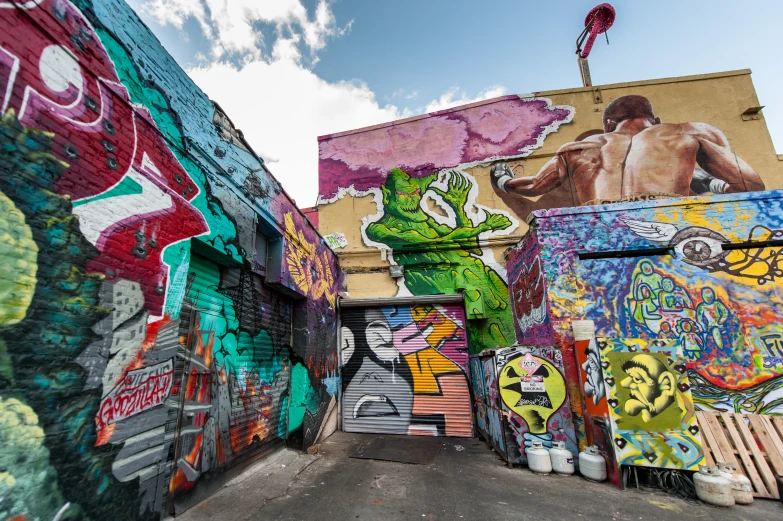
509,126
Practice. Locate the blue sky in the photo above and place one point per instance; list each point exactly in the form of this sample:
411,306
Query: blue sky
287,71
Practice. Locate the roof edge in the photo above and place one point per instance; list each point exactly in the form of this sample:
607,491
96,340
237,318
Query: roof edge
672,79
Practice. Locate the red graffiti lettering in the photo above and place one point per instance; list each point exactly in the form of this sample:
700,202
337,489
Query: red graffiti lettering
528,291
139,391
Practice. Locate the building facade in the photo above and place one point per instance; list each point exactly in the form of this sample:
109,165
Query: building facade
166,311
693,282
369,177
427,206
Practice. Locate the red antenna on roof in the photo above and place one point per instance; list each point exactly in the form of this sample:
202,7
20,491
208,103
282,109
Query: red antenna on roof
598,20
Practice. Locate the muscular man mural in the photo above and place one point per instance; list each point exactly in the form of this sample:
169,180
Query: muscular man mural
637,154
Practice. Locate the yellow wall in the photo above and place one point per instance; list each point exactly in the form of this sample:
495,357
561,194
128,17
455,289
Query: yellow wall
718,99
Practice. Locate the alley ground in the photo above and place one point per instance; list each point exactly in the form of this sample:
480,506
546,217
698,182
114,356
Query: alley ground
467,484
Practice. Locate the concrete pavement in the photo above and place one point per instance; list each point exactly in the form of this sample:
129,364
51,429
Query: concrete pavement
468,484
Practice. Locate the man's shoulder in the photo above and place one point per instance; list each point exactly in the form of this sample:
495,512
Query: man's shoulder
693,128
596,141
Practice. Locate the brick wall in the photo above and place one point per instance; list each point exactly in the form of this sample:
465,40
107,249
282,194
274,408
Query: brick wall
114,167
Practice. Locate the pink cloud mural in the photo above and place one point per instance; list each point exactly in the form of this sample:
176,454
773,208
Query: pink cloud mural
504,127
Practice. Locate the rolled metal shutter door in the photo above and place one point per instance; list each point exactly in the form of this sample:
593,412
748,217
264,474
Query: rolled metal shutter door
235,379
405,370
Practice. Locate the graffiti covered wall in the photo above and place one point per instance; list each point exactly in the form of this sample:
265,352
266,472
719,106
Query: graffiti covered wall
427,216
701,276
650,405
528,294
532,388
112,165
444,194
405,370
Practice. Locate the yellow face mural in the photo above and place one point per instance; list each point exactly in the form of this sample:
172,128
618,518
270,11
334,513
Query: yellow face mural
533,388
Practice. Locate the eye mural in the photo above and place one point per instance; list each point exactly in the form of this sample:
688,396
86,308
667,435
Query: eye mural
712,292
703,247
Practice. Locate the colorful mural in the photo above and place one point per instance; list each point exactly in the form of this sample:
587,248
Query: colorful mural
653,417
405,371
528,295
107,178
427,216
595,409
710,287
533,393
405,228
670,159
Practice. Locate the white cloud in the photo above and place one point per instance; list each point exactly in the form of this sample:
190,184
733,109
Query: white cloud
282,107
449,98
278,102
230,25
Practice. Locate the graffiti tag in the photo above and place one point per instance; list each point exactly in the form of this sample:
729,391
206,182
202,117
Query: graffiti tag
140,390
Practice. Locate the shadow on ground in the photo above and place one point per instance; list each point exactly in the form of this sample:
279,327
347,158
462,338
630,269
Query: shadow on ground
469,484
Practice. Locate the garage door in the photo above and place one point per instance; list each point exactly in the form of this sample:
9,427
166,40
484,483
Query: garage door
405,370
236,370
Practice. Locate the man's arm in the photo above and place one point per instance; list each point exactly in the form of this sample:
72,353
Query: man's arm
547,179
717,159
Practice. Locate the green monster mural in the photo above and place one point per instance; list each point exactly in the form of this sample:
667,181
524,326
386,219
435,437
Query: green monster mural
444,259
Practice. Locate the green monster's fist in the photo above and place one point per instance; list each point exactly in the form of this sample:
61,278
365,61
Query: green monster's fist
497,221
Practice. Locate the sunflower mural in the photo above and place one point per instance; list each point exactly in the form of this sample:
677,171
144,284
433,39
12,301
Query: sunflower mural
310,272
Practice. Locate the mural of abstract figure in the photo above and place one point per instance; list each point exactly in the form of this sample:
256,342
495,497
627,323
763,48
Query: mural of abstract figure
442,258
703,325
712,315
637,154
651,386
377,383
534,399
594,378
405,371
652,414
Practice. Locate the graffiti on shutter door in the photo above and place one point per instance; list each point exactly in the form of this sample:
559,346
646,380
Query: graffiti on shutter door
405,370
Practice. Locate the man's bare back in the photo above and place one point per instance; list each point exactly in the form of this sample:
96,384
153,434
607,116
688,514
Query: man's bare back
638,155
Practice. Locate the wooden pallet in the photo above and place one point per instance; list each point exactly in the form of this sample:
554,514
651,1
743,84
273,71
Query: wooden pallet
754,443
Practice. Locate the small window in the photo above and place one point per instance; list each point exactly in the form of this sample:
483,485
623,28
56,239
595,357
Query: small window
261,252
